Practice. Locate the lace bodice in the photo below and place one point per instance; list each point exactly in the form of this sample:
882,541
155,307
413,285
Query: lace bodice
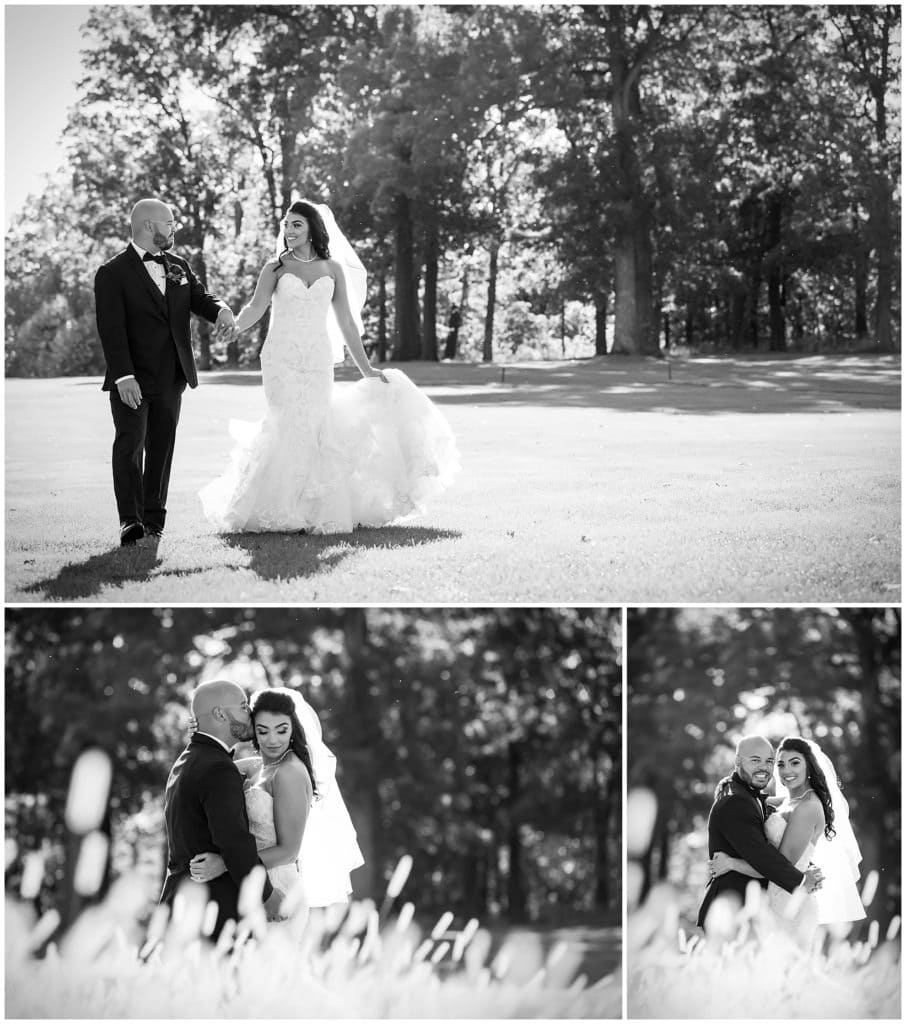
260,807
297,345
774,828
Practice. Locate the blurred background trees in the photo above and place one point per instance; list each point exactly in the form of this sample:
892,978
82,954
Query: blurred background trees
701,678
527,182
484,743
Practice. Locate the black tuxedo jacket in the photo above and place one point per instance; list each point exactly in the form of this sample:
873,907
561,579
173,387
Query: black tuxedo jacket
736,827
204,808
144,333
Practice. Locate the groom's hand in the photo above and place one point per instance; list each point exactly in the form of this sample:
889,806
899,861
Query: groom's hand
814,879
225,326
130,393
205,866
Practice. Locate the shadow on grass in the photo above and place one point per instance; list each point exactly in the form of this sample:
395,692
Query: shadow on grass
289,556
701,385
83,580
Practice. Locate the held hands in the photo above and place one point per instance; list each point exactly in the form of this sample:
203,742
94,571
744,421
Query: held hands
206,866
225,327
719,864
130,393
814,879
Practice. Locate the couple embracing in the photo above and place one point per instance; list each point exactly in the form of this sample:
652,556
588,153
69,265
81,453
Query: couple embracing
280,809
797,844
323,460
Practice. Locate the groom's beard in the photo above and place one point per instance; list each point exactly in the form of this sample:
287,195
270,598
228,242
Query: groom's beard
163,241
240,730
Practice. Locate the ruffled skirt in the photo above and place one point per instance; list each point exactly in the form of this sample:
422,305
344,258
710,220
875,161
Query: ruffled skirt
377,454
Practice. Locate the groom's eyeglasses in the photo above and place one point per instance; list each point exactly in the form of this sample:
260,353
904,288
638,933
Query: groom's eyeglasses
174,224
243,707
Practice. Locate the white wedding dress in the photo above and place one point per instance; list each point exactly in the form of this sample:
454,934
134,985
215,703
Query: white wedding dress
329,851
795,912
327,458
259,805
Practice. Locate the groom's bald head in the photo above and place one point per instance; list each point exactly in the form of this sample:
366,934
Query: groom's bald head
221,708
149,209
153,224
755,760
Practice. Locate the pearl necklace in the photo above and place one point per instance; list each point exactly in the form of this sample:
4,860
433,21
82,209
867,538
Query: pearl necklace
311,259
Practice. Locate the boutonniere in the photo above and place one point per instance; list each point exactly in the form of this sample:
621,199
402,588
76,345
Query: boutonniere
175,274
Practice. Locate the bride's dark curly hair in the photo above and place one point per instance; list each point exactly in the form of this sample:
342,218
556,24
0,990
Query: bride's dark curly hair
320,240
816,778
282,704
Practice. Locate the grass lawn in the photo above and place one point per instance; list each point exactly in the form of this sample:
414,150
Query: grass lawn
611,480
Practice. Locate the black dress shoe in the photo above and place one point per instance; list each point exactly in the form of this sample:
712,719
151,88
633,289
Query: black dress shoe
130,533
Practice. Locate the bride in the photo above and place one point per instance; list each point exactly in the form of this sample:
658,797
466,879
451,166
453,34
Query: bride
810,825
296,814
325,459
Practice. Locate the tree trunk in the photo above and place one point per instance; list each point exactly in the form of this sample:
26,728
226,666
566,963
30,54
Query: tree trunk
456,315
487,352
405,341
429,328
563,328
515,882
751,305
860,281
774,267
603,804
634,329
690,324
737,318
601,324
452,341
361,737
884,231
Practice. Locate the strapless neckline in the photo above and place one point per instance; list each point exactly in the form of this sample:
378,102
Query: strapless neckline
306,286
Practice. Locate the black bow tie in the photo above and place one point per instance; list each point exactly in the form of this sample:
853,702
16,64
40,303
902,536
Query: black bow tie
158,258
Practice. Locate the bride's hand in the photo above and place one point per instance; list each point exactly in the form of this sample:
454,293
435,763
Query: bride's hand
193,724
206,866
719,864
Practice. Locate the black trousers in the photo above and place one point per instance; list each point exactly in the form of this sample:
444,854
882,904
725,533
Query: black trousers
142,455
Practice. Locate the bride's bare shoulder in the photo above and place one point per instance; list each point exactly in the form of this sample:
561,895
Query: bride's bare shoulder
293,773
247,764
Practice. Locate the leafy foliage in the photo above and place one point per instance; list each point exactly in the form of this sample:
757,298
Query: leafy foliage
716,177
487,744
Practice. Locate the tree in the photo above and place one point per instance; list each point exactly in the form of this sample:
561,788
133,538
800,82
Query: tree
870,44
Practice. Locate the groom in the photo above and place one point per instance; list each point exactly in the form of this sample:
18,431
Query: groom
143,298
204,805
736,827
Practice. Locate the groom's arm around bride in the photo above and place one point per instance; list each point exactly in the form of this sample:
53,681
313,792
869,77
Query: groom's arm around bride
736,827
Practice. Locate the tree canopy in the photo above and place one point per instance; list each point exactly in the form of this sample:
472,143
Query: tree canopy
537,181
